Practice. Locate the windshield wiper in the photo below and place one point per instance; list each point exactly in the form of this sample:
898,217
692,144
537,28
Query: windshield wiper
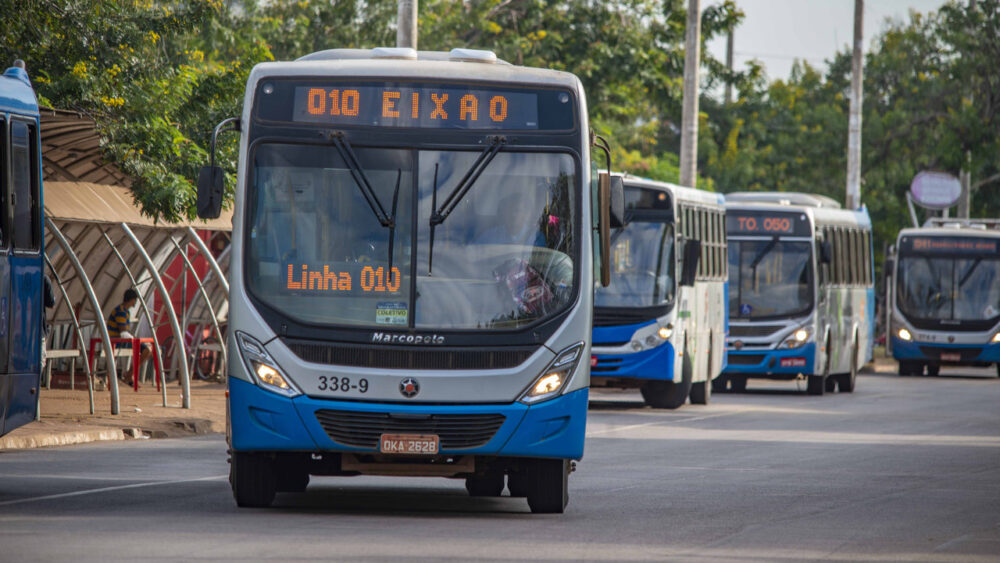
438,215
968,273
361,179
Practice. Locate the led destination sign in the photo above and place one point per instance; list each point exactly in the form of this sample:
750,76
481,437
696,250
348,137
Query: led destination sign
340,280
767,223
413,105
949,245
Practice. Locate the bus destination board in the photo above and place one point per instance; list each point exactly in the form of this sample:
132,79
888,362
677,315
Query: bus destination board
771,223
949,245
418,106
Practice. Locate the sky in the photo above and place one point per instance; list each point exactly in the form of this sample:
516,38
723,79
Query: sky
776,32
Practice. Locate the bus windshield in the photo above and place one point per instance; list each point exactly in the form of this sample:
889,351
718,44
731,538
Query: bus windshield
642,256
318,252
769,278
943,288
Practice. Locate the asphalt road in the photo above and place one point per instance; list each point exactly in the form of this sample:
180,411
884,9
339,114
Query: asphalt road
903,469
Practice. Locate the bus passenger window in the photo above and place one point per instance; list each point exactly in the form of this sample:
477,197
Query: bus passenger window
24,184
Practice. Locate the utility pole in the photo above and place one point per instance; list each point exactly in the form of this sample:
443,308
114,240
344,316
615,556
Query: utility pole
729,66
854,121
689,117
965,178
406,24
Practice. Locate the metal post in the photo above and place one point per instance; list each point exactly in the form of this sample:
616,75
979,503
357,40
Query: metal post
96,305
729,66
406,24
204,295
689,116
175,326
207,254
145,312
965,177
853,199
79,334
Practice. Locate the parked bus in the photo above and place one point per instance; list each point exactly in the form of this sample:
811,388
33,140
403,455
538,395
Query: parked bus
411,279
21,308
943,284
801,293
661,324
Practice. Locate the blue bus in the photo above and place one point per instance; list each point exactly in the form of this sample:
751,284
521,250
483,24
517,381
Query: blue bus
801,291
412,272
943,283
21,307
661,323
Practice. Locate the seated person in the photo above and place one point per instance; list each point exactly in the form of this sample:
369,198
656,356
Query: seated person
118,324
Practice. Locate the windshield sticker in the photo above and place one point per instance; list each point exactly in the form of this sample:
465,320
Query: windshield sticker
391,313
745,310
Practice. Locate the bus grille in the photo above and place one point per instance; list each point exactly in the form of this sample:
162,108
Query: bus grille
745,359
387,357
743,331
363,429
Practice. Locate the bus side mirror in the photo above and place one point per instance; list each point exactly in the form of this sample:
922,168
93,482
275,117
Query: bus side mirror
617,202
888,268
604,225
692,255
210,192
825,252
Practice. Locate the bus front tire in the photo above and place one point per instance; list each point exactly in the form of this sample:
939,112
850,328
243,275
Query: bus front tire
738,383
665,394
253,479
816,385
933,370
719,383
548,485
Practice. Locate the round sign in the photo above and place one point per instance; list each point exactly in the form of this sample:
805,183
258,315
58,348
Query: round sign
935,190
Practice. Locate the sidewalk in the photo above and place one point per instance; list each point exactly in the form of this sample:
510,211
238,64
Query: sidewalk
66,417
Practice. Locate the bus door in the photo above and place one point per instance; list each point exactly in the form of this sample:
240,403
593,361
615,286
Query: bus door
25,305
4,277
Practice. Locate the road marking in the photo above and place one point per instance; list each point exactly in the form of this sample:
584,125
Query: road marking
107,489
659,422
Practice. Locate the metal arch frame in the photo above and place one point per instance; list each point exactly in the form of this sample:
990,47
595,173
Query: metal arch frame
163,254
169,307
204,294
76,326
207,254
96,305
145,311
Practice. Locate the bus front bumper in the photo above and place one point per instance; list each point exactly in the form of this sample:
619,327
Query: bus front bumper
653,363
945,353
766,363
263,421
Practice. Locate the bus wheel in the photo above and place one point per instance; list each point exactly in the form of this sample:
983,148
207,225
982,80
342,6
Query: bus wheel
738,383
719,383
253,479
665,394
830,384
998,370
907,367
489,485
846,381
933,369
701,393
518,483
816,384
548,485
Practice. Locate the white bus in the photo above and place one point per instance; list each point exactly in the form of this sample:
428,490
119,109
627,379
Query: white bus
661,324
801,292
943,286
412,279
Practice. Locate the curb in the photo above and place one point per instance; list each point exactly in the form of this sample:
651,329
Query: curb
60,439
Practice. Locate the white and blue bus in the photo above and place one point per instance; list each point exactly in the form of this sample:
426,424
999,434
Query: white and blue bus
801,291
944,293
661,323
21,281
412,272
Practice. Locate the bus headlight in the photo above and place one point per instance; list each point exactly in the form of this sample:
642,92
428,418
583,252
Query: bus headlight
996,338
554,377
797,338
263,367
651,336
905,335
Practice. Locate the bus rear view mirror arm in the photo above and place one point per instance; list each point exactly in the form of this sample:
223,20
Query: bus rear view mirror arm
211,187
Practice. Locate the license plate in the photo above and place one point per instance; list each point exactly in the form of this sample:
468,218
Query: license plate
793,362
950,357
412,444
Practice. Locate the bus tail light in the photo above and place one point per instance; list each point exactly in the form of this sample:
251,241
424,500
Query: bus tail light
554,377
263,367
